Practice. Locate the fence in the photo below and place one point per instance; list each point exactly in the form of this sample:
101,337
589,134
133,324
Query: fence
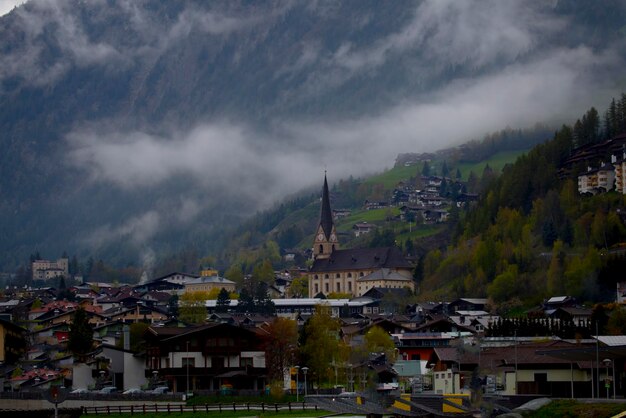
169,408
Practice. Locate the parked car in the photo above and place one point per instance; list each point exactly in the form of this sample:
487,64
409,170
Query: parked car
160,390
107,390
133,391
80,391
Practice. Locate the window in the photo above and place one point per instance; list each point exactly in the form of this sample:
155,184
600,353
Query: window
349,275
326,276
338,275
217,362
246,362
317,290
316,277
338,287
189,361
349,286
321,248
361,274
326,287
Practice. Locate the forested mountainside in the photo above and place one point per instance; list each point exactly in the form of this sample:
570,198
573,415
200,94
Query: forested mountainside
532,234
135,129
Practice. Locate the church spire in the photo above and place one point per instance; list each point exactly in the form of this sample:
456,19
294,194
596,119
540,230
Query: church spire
326,236
326,215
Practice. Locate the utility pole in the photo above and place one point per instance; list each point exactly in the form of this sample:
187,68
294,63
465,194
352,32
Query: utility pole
515,345
305,370
297,382
187,388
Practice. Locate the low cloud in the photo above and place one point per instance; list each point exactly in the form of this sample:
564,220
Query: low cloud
225,158
136,230
7,5
507,76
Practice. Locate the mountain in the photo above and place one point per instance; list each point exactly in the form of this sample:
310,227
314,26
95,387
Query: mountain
131,129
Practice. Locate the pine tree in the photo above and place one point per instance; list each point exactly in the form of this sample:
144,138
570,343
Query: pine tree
81,334
246,301
444,169
223,301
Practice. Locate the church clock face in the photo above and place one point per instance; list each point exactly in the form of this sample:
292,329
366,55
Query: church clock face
320,237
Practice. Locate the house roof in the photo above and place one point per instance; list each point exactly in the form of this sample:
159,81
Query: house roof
210,279
475,301
558,299
176,273
362,259
379,292
12,326
612,340
522,354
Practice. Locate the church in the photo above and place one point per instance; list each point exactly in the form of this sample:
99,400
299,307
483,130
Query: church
353,271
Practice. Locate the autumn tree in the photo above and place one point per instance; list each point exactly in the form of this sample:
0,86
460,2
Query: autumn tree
378,341
281,347
235,274
555,282
264,272
320,344
192,307
299,287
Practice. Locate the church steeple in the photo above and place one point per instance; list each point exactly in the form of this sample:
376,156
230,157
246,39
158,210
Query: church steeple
326,236
326,215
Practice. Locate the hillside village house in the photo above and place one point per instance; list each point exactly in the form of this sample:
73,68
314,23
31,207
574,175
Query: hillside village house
210,357
207,284
352,271
46,269
605,176
12,342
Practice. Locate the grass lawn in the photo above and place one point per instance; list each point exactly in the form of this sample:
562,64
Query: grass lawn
419,232
391,177
574,409
371,216
496,162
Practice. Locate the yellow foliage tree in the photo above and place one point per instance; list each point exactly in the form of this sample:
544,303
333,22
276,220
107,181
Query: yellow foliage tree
192,307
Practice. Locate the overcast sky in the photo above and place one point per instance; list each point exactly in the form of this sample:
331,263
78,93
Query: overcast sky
7,5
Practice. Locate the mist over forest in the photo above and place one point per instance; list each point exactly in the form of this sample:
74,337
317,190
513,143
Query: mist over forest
131,129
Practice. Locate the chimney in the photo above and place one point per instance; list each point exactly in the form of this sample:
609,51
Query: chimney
126,330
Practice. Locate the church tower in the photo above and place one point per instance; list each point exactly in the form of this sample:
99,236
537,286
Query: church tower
326,235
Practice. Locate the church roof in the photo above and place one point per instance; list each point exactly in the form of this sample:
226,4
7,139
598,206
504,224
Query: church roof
326,215
384,274
362,259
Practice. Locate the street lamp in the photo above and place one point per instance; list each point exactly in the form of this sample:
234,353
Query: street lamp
187,388
607,363
297,382
305,370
